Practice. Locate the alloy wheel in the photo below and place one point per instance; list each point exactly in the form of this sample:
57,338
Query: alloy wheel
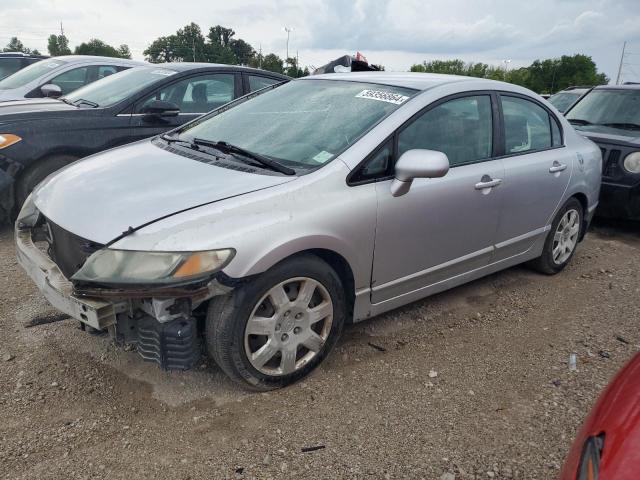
288,326
566,237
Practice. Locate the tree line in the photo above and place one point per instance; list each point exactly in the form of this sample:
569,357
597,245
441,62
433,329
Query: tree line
59,45
542,76
220,45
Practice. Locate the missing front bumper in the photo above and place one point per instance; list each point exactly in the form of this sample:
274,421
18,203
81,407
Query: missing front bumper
58,290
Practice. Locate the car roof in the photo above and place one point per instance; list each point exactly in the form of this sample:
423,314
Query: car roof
95,58
21,55
413,80
185,66
619,87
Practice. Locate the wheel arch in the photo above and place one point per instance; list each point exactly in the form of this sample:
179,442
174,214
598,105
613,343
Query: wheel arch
332,256
582,198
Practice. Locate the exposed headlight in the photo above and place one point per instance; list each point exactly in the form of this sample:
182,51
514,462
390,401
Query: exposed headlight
28,215
136,267
8,139
589,468
632,162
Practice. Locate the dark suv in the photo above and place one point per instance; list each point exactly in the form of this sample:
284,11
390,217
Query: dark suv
566,98
11,62
610,116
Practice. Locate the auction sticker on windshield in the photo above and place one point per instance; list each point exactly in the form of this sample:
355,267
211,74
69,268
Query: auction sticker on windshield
383,96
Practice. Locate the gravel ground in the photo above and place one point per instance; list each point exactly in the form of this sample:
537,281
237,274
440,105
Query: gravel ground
472,383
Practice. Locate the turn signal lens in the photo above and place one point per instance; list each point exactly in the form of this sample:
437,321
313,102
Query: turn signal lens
8,139
202,262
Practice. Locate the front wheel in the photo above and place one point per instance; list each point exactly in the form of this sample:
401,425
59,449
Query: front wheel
562,240
277,328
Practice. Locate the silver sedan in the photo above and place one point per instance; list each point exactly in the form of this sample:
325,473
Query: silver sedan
258,231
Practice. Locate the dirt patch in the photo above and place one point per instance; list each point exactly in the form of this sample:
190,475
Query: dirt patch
471,381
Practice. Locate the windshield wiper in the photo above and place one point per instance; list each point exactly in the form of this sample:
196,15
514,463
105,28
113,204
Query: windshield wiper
579,121
89,103
229,148
623,125
65,100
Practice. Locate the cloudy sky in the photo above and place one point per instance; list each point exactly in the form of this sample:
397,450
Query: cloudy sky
396,33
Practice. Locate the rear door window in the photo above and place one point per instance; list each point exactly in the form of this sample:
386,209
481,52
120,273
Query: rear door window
256,82
527,126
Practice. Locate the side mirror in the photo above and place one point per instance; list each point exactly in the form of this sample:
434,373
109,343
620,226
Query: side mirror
51,91
418,164
160,108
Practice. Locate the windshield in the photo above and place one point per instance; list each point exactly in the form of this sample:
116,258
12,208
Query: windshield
305,123
30,73
115,88
563,100
614,107
9,66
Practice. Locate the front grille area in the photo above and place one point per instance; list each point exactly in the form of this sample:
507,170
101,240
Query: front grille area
610,162
69,251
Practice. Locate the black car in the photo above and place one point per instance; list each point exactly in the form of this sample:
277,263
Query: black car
610,116
38,137
564,99
11,62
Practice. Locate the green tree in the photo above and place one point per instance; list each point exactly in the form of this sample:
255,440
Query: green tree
58,45
293,69
124,51
243,52
273,63
162,50
102,49
16,45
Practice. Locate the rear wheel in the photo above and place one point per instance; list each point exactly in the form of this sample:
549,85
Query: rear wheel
562,240
36,173
279,327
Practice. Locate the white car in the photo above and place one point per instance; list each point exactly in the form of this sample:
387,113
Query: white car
59,76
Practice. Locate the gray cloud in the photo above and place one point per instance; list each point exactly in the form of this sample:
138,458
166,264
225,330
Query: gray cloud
396,33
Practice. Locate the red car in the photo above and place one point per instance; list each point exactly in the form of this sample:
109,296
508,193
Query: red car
608,446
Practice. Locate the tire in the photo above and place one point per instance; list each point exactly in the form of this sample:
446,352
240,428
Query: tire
36,173
550,263
227,332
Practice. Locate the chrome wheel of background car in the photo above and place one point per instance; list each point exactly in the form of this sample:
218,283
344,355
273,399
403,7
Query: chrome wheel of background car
566,237
289,326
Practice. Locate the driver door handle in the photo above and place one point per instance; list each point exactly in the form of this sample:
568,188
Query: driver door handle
487,182
557,167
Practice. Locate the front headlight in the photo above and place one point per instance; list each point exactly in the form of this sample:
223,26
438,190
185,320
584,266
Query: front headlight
136,267
632,162
28,215
8,139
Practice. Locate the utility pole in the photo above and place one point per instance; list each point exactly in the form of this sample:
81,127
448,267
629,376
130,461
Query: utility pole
61,30
260,57
624,47
288,30
194,49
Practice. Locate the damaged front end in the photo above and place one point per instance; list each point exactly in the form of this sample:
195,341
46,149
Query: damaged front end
154,301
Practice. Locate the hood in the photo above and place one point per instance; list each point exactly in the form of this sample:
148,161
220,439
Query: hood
102,196
603,134
11,94
18,110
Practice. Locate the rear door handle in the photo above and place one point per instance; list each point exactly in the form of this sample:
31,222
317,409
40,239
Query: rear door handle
487,182
557,167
